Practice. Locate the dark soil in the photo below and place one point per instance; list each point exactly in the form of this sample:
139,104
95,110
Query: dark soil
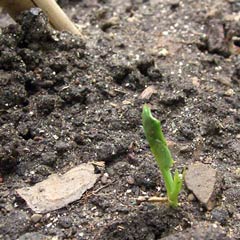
65,101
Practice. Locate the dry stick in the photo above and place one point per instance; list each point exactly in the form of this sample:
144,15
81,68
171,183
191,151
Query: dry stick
56,15
153,199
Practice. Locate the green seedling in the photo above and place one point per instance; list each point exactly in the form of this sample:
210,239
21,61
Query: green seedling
158,145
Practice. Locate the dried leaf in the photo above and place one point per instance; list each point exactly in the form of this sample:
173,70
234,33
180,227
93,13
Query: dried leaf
59,190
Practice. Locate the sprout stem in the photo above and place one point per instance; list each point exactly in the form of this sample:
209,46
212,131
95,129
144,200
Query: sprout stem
159,148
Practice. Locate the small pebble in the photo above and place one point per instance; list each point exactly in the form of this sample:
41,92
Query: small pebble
229,92
238,173
36,218
128,191
237,216
191,197
130,180
163,52
104,178
195,82
184,149
65,222
8,207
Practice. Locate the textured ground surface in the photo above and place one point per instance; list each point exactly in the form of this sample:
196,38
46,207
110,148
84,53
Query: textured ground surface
64,101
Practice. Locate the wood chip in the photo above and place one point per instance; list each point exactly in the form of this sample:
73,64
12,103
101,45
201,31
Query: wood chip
148,92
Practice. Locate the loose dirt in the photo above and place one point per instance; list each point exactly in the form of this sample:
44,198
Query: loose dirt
66,101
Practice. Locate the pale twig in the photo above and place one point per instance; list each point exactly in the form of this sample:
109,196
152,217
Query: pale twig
58,19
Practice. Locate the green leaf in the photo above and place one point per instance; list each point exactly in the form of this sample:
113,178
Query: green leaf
177,186
156,139
159,148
